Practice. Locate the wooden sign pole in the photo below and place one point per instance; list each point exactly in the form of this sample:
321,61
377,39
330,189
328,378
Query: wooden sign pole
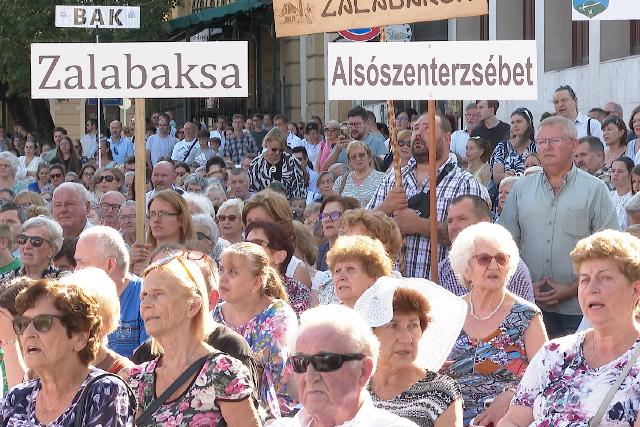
393,135
433,211
141,170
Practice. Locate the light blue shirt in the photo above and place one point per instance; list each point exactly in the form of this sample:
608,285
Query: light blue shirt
121,150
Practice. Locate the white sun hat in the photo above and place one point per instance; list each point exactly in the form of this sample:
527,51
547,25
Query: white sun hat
447,313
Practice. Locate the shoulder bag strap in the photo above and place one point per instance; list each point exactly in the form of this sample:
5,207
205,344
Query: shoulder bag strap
189,152
595,421
82,402
155,404
343,183
589,126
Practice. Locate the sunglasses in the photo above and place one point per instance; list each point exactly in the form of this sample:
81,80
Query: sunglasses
55,175
333,216
223,218
484,259
36,241
404,143
277,150
200,236
259,242
323,362
41,322
358,156
108,178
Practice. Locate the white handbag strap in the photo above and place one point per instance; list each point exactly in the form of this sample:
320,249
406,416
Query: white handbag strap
595,421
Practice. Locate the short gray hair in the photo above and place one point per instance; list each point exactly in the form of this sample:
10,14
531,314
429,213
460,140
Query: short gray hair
114,192
238,204
333,169
54,230
568,128
633,205
344,321
199,204
462,249
207,221
214,188
12,159
196,179
79,189
109,244
508,180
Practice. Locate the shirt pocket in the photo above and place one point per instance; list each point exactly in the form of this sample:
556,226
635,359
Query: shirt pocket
576,223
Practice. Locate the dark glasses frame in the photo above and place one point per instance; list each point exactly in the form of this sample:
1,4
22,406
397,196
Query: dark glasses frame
42,322
36,241
334,216
322,362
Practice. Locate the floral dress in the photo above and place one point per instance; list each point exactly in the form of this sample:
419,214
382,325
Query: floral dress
222,378
485,368
562,390
268,336
108,405
299,295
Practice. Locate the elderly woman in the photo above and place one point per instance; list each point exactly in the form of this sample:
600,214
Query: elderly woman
206,234
503,192
216,194
127,215
363,180
195,183
191,381
417,323
569,380
331,211
41,178
274,164
39,241
279,246
356,262
404,148
27,199
58,327
229,219
375,224
9,166
502,332
255,306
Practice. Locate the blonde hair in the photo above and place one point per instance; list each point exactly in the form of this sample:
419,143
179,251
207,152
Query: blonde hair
369,252
257,262
276,206
378,225
359,144
275,134
178,203
30,197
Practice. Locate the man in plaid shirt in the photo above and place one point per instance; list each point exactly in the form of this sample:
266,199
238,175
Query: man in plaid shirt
240,143
415,179
464,211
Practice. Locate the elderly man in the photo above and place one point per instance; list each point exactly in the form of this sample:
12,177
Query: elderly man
110,203
459,138
127,216
413,221
160,144
548,213
632,208
464,211
589,156
104,248
239,184
334,355
613,109
70,207
183,151
121,147
163,176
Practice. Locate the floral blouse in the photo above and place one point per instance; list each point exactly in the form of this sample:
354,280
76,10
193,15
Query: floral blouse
484,368
562,390
108,405
268,334
299,295
222,378
504,154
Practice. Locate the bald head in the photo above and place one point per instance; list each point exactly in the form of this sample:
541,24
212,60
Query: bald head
163,176
613,109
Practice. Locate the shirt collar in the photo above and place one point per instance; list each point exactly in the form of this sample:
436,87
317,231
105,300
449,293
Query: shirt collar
581,118
569,175
305,420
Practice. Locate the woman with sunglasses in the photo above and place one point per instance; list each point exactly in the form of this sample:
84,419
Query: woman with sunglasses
615,139
206,234
255,306
508,157
229,220
58,329
502,332
363,180
279,247
331,211
109,179
87,176
404,145
275,164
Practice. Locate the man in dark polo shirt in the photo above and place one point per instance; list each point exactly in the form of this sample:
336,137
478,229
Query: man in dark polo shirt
490,128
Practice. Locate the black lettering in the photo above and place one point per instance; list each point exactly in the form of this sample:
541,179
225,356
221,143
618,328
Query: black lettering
433,67
400,4
518,74
414,2
409,74
355,3
465,68
143,73
235,76
385,75
443,74
370,69
529,67
358,71
115,77
79,17
164,76
114,17
504,66
47,75
92,71
338,73
324,12
454,68
97,19
423,70
190,68
477,73
346,6
396,78
77,78
209,76
379,4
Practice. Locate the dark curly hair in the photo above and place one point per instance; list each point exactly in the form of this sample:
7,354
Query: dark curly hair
80,312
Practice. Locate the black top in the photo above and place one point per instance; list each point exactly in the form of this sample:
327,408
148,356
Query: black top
223,339
494,135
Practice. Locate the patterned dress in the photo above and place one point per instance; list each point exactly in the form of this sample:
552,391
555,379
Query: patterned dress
221,378
267,335
506,155
288,171
485,368
562,390
299,295
424,401
108,405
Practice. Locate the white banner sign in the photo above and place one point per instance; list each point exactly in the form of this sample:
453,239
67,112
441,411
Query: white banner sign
98,16
601,10
433,70
139,70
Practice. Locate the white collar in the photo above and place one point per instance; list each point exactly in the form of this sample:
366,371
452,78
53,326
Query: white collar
364,413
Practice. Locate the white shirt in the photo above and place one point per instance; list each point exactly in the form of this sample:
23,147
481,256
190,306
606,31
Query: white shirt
367,416
181,148
216,134
312,149
89,144
160,147
458,145
31,167
582,121
294,141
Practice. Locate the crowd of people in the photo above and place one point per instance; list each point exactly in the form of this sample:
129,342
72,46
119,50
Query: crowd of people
286,277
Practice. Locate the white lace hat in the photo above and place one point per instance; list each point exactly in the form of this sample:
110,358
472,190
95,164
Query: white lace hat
448,313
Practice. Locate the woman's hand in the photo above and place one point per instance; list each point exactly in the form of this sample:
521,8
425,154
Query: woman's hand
497,410
140,257
7,334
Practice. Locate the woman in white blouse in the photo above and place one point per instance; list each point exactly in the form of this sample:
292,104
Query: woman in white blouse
28,163
363,180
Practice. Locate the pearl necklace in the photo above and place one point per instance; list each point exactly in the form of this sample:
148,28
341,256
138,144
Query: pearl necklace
495,310
359,178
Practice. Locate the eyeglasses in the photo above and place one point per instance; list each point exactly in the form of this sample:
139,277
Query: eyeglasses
36,241
554,141
323,362
41,322
331,130
55,175
404,143
259,242
108,178
402,119
484,259
333,216
160,214
200,235
112,206
223,218
358,156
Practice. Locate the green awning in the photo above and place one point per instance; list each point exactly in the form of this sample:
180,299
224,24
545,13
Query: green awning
215,13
